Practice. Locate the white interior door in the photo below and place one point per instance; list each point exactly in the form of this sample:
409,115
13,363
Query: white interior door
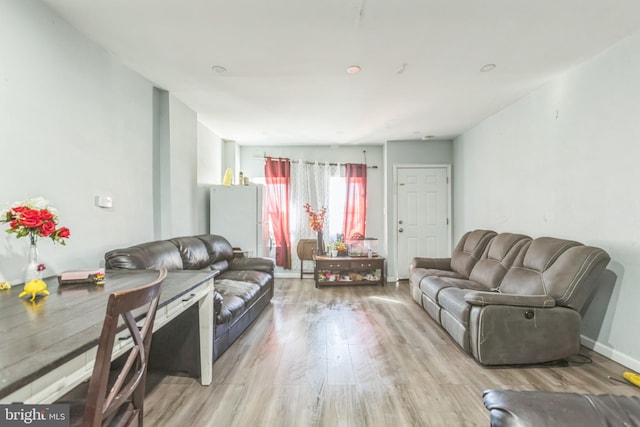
422,214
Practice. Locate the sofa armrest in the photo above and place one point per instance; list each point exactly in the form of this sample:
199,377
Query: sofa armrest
432,263
495,298
218,299
258,264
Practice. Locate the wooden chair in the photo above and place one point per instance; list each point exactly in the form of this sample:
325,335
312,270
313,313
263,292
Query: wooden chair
120,404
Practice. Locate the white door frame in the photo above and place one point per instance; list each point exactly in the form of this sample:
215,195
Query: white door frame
396,168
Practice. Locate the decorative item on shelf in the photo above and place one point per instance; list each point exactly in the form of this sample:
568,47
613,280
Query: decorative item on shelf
5,286
340,247
99,279
316,222
363,247
228,177
34,218
33,288
332,250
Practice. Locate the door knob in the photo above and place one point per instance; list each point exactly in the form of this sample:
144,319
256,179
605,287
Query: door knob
400,230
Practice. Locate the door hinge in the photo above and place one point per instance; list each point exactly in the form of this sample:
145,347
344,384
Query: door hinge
447,180
447,221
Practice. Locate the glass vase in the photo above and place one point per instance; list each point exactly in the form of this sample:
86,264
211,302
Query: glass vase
31,269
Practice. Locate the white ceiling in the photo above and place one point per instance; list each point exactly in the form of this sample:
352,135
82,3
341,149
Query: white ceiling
286,60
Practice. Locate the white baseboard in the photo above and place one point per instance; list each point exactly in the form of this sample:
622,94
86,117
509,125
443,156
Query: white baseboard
611,353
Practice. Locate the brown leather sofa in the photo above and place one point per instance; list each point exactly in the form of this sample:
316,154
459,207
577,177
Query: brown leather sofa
510,408
243,288
507,298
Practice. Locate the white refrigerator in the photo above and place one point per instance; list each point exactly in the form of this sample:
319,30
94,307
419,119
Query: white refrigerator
237,215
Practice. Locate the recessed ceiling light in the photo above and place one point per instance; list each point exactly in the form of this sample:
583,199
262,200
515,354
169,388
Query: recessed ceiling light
219,69
353,69
487,67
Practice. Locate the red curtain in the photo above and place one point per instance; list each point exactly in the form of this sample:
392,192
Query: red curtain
356,205
277,174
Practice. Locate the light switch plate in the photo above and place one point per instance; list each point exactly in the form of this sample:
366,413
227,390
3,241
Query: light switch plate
104,201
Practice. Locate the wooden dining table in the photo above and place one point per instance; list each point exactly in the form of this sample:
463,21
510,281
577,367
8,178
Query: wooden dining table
48,346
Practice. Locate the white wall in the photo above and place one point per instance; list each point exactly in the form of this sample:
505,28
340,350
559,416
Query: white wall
563,162
75,123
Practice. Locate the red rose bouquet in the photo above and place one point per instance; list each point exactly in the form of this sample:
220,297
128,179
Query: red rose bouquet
34,218
316,219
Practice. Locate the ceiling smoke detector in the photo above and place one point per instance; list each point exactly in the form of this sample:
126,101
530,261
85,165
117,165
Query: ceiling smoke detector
219,69
353,69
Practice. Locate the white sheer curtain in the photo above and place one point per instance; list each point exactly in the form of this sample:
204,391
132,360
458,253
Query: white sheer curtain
310,183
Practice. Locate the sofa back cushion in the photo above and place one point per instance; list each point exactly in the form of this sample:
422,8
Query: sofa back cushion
219,249
469,250
498,257
566,270
147,256
193,252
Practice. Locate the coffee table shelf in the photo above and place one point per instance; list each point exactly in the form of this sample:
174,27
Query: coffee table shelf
346,270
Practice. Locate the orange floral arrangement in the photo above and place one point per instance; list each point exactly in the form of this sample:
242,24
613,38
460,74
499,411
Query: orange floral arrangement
316,219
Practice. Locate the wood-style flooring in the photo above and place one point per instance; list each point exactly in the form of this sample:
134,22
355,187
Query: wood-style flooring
353,356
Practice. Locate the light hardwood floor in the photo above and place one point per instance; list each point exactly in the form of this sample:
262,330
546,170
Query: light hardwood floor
353,356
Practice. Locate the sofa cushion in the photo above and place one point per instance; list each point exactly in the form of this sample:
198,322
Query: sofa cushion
256,263
232,307
243,290
563,269
259,278
497,258
452,300
218,247
146,256
420,273
432,285
193,252
468,251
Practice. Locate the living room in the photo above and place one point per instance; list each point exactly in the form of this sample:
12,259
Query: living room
78,123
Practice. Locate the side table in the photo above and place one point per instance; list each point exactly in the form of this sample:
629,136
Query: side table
346,270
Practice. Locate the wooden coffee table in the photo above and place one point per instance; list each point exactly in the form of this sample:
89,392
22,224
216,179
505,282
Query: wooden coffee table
346,270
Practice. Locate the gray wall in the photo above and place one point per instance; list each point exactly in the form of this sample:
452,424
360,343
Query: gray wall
74,124
563,161
405,153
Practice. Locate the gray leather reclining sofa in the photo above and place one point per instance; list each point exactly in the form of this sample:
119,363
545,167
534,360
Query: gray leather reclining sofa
243,287
507,298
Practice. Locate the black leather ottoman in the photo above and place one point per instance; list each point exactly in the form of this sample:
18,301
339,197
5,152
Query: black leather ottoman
543,408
